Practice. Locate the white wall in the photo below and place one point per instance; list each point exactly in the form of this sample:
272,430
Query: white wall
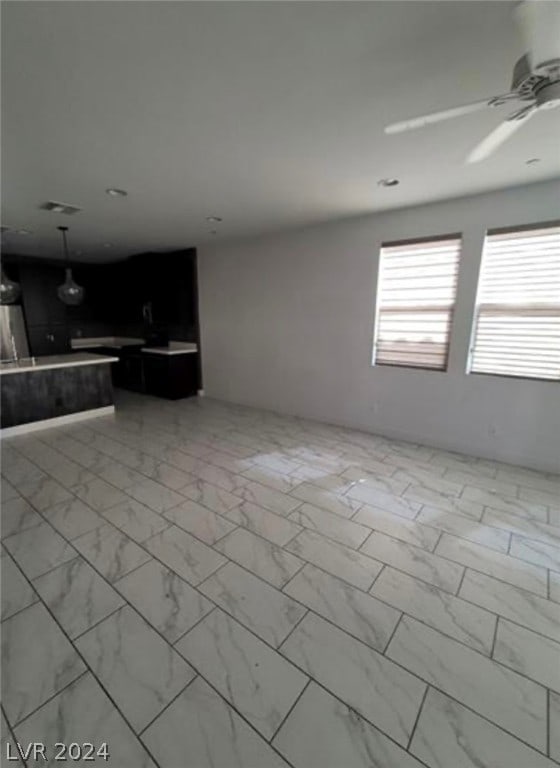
287,324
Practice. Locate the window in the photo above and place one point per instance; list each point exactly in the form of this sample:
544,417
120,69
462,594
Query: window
517,319
415,299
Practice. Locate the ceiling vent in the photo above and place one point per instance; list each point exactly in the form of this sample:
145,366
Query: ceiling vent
52,205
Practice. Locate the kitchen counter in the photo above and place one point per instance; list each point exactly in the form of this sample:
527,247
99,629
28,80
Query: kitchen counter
27,364
53,390
174,348
112,342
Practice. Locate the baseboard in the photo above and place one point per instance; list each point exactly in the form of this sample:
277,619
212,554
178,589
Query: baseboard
57,421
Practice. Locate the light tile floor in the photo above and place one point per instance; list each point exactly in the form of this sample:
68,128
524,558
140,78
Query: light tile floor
201,584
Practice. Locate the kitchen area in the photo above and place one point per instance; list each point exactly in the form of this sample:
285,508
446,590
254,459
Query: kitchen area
67,343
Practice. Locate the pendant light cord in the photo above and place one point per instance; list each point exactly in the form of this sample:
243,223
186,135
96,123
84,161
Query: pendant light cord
66,254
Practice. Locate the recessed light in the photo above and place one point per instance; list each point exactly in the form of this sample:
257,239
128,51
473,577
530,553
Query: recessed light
532,161
388,182
214,219
23,231
114,192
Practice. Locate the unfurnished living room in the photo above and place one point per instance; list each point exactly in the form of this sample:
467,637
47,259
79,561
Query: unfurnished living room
280,384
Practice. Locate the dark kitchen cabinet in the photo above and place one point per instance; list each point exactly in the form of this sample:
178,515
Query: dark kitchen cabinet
39,285
170,376
48,340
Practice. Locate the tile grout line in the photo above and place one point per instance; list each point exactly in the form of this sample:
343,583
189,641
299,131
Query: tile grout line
413,731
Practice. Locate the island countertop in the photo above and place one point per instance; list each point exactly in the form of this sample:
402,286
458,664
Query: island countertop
30,364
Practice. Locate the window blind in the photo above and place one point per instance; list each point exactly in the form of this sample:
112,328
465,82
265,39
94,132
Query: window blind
415,299
517,318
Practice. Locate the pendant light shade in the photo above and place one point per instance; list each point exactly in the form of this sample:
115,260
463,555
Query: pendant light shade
69,292
9,291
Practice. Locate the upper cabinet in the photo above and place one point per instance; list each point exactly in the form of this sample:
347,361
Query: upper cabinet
40,300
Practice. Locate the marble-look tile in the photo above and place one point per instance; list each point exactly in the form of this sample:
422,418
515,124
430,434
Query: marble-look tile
109,551
458,525
256,680
188,557
518,605
16,592
503,567
135,520
98,494
414,561
396,505
343,506
200,724
554,726
530,529
554,516
349,608
8,745
537,552
39,549
17,515
76,596
554,586
322,732
218,475
330,525
440,610
549,497
275,528
72,518
7,491
492,484
430,480
276,461
271,563
20,472
83,713
171,477
505,504
408,531
275,480
34,671
529,654
119,475
68,473
457,506
280,503
338,560
165,600
366,487
140,671
44,493
200,521
157,497
211,496
504,697
261,608
386,695
450,736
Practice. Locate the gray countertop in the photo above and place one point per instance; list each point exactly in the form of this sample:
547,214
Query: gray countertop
27,364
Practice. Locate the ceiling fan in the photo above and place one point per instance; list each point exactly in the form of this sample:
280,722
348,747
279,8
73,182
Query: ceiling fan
535,83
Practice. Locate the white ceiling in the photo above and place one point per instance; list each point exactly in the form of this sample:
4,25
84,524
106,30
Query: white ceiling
269,114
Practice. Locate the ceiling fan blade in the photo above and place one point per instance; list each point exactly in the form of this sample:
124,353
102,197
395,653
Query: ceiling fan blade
447,114
500,135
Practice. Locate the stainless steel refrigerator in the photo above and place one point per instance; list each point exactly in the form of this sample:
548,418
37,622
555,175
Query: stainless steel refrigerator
13,336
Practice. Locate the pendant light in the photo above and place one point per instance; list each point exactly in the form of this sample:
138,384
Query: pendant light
69,292
9,291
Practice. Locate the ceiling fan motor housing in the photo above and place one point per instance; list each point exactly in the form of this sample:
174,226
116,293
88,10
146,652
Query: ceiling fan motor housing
539,25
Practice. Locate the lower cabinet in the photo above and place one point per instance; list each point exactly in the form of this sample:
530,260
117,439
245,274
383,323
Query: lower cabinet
170,376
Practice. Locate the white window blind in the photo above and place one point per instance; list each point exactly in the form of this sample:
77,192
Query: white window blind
517,320
415,299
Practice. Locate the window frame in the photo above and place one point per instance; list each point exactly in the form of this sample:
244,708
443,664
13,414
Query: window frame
512,229
401,243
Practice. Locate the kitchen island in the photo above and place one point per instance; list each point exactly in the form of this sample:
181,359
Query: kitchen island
39,392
